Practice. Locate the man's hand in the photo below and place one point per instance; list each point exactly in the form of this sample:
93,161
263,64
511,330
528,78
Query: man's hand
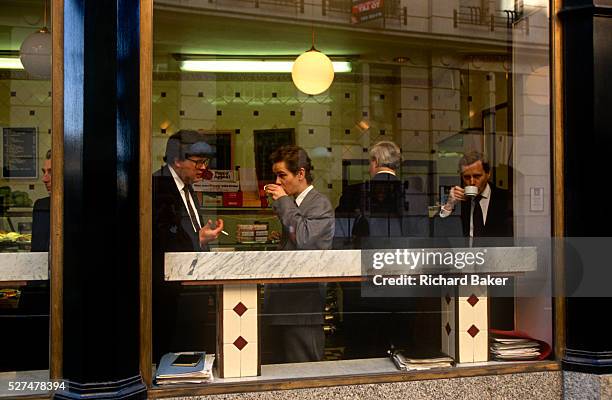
208,233
456,194
274,236
276,191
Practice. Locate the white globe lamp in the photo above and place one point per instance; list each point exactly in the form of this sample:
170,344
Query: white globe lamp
35,54
312,72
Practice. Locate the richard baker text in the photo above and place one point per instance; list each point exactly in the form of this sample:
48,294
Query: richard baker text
439,280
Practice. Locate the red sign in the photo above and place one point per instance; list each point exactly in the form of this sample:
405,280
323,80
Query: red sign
368,10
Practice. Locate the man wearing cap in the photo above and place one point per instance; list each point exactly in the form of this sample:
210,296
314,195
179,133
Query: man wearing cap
178,227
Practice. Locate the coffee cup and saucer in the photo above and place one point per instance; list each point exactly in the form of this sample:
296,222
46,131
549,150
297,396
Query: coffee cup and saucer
470,191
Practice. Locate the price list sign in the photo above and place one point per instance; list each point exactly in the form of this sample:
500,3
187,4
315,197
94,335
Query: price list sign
19,153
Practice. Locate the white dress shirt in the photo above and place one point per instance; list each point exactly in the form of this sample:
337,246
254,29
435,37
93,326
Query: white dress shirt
300,197
180,185
484,205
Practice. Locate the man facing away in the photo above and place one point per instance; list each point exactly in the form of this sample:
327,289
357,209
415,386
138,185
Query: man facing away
374,209
294,312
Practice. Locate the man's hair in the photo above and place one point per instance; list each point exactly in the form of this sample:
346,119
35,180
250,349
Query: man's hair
48,155
295,158
471,157
184,144
386,154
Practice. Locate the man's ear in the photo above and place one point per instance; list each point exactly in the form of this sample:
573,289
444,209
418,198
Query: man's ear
301,173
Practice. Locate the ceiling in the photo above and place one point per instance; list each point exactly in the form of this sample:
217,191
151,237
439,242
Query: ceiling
218,34
207,32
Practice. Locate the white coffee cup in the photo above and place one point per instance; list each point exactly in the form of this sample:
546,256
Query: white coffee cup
471,191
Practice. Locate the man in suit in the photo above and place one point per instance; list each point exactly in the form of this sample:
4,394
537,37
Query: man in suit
489,213
486,220
32,328
294,312
177,227
374,209
40,213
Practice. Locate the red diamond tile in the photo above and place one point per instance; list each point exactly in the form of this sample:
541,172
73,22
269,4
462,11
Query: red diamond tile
448,328
448,299
472,300
240,343
473,331
240,309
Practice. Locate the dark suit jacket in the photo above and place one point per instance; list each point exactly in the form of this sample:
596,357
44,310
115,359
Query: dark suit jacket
40,225
313,220
373,209
172,232
499,215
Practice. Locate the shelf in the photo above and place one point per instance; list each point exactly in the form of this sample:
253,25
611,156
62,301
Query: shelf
237,210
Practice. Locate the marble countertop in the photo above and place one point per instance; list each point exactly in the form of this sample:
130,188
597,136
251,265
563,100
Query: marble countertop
321,264
24,267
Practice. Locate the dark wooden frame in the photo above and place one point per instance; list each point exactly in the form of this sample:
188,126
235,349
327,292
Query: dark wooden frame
56,256
146,41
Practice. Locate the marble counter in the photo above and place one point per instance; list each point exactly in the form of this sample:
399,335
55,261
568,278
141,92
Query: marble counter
24,267
316,264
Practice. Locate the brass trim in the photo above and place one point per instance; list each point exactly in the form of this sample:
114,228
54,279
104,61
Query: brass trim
558,176
145,200
56,251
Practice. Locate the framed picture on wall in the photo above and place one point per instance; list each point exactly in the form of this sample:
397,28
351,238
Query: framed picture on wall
266,141
223,147
19,153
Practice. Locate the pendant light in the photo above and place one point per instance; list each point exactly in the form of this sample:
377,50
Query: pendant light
312,71
35,51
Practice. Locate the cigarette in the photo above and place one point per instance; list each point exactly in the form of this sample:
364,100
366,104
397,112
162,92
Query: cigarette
225,233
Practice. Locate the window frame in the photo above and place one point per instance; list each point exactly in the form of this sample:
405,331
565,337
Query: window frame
146,83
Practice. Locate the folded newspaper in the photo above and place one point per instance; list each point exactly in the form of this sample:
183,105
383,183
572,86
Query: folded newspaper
404,362
170,373
514,349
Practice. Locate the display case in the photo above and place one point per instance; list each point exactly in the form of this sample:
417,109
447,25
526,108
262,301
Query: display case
16,230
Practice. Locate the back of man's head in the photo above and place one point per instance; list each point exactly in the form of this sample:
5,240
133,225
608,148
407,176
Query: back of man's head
186,143
386,154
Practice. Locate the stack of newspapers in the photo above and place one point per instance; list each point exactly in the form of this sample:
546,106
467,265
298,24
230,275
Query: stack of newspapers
505,349
406,363
186,367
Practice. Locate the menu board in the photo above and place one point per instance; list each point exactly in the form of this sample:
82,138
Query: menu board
19,153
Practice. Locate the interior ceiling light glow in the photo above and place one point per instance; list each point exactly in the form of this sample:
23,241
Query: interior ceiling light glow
252,66
10,63
313,72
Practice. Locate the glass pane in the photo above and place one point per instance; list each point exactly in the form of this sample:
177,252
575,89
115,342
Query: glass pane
433,136
25,184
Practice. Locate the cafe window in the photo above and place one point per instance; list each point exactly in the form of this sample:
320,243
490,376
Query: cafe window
432,139
25,185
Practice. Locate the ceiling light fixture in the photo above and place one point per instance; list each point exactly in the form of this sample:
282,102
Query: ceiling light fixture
261,65
10,63
313,71
35,51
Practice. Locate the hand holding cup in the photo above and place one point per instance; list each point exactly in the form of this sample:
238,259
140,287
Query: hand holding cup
276,191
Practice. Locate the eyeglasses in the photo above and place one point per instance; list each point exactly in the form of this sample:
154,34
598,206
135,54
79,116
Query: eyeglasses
200,163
